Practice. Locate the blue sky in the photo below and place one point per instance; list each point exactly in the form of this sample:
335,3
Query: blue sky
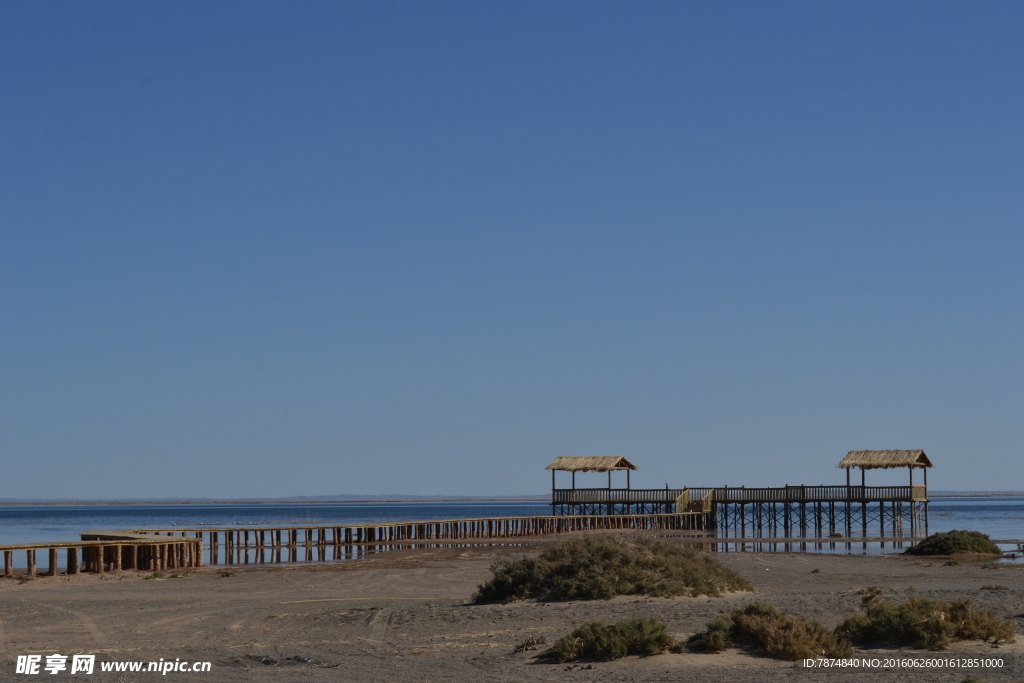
276,249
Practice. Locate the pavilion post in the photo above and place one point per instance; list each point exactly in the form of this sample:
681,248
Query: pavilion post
627,479
609,479
847,477
862,477
574,479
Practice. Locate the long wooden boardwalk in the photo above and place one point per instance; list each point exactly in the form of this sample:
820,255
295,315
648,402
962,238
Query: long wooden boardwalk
230,545
181,547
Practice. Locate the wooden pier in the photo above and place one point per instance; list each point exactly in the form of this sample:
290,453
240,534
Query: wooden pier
272,544
787,511
110,554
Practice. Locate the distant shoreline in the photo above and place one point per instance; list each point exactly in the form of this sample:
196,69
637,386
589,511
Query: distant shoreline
271,501
325,501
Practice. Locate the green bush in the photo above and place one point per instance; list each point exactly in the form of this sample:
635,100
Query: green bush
950,542
589,567
600,641
771,632
923,622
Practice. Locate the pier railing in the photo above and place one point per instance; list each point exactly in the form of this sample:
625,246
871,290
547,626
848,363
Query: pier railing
615,496
686,499
817,494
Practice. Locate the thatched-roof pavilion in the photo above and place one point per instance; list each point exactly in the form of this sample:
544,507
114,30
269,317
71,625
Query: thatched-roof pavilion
590,463
883,460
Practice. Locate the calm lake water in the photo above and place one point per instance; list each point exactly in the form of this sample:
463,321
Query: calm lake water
1000,518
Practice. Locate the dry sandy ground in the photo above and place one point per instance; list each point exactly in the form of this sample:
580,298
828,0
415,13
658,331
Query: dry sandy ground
405,616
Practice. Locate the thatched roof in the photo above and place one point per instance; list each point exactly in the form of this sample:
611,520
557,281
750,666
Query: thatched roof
880,460
596,463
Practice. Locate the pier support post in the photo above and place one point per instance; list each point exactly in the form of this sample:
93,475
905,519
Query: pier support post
72,561
31,561
8,562
53,562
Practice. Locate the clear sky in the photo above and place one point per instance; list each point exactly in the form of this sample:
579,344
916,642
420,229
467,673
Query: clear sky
277,249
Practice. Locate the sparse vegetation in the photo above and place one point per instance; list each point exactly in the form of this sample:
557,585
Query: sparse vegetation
156,576
920,622
20,578
951,542
531,643
815,571
600,641
923,622
591,567
994,587
771,632
990,565
224,574
951,563
835,534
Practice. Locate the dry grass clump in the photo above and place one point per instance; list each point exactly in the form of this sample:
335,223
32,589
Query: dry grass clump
530,643
590,567
771,632
599,641
951,542
923,622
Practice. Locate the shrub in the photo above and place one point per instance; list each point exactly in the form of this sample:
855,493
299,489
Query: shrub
600,641
950,542
994,587
951,563
605,566
923,622
530,643
870,594
772,632
225,574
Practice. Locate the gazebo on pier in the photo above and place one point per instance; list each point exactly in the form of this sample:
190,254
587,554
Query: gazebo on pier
884,460
895,502
606,501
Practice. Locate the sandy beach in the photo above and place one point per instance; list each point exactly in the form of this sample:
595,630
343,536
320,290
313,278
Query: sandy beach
406,616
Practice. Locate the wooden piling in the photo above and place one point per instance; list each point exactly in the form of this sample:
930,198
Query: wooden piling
31,561
53,562
72,567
